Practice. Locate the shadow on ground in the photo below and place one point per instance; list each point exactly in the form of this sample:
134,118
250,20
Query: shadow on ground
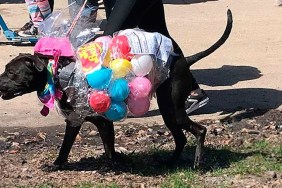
145,164
233,100
227,75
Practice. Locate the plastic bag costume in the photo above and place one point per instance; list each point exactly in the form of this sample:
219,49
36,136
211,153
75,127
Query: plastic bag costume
110,76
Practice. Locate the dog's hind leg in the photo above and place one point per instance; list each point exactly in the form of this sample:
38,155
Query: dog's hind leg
106,131
167,110
69,138
181,83
199,132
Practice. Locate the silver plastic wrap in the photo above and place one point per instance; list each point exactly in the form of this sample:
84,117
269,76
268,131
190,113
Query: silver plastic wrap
112,75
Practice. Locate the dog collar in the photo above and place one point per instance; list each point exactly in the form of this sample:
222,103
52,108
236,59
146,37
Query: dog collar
50,92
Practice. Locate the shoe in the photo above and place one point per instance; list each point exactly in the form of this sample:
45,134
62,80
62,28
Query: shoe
194,102
33,31
26,26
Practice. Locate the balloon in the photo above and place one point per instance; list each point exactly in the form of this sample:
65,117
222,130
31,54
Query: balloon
99,101
90,56
119,90
120,67
104,39
100,79
117,111
141,64
140,87
120,47
138,107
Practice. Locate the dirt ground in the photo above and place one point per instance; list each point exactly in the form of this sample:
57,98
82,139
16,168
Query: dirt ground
243,76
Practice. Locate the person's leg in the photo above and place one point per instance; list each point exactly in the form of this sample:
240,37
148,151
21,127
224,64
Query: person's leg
51,3
34,12
38,11
154,21
109,4
44,8
35,17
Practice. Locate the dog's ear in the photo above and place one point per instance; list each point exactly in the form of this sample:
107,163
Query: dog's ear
33,61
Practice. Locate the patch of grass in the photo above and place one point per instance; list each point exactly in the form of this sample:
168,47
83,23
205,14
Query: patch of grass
262,157
251,165
108,186
45,185
260,145
182,179
278,151
254,159
85,185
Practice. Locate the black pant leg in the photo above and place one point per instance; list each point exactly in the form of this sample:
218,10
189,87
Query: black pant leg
154,21
51,3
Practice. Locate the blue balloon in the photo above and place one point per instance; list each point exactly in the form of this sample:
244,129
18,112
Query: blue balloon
117,111
100,79
119,90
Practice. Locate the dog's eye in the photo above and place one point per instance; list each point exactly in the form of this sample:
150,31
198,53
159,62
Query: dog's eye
10,73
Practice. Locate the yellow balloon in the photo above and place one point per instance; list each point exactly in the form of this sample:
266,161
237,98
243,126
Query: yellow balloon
120,67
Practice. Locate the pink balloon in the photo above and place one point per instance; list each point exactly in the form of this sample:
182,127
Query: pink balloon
138,107
140,87
104,39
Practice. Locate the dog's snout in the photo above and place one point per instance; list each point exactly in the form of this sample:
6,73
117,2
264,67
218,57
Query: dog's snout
3,82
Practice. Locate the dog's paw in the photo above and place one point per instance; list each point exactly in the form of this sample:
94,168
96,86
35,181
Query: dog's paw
51,167
199,165
55,166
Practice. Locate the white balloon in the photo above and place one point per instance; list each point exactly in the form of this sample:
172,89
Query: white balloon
141,64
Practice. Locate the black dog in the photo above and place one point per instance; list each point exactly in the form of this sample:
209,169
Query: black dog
28,73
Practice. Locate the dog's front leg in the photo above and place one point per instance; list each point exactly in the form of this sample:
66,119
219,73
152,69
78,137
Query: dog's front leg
70,134
106,131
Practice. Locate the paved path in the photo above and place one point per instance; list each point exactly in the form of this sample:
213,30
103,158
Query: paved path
246,72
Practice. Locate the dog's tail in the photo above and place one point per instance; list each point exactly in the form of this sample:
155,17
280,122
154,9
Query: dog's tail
196,57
